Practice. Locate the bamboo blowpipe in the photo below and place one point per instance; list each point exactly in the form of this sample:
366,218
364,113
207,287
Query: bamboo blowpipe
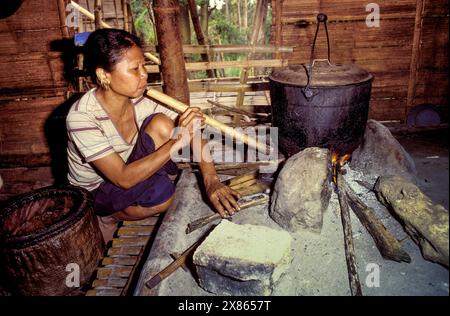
180,107
91,16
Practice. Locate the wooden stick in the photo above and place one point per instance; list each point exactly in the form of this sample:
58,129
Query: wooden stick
389,247
227,64
167,271
106,25
355,285
180,107
201,222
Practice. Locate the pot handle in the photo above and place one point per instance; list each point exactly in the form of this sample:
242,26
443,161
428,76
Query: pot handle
308,93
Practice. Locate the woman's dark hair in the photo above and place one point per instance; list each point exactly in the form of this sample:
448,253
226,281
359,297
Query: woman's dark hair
105,48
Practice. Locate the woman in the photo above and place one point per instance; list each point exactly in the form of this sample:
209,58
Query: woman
120,142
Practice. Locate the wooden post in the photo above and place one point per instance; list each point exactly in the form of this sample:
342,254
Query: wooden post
278,25
201,39
171,49
98,14
62,18
413,68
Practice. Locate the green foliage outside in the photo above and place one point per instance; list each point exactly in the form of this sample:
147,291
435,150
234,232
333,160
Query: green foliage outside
223,28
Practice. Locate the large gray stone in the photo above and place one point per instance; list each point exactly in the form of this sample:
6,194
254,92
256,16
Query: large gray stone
426,222
302,191
242,259
380,154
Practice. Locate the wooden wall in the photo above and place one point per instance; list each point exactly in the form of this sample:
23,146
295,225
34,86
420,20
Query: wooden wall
35,71
407,53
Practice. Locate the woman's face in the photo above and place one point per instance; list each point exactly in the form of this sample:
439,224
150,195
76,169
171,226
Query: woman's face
129,77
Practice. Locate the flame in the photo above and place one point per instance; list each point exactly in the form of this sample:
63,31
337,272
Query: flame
337,163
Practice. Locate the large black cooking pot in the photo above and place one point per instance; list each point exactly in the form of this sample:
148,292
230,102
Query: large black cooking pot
320,105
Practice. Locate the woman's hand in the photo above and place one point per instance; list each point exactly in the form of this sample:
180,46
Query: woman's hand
221,196
189,123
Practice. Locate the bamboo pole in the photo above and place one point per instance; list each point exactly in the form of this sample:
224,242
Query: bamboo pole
227,64
107,26
180,107
125,15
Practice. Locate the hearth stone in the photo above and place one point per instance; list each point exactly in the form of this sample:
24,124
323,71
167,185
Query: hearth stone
380,154
242,259
426,222
302,191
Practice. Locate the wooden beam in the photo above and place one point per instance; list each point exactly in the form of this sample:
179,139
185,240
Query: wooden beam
269,63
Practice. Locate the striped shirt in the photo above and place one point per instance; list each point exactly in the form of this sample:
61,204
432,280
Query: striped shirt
92,135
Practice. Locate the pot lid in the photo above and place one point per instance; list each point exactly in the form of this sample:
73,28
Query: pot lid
324,74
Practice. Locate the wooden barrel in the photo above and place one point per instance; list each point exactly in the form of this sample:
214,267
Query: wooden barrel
47,236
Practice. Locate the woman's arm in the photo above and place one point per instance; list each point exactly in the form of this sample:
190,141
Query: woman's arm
126,176
221,196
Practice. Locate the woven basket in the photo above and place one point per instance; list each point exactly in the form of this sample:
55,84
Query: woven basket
42,235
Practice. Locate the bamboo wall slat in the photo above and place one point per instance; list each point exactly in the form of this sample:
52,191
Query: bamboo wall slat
385,51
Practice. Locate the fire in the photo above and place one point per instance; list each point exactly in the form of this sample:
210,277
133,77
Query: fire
337,162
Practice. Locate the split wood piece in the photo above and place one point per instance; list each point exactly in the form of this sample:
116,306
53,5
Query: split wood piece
243,185
258,187
167,271
355,285
201,222
389,247
106,25
180,107
234,171
240,179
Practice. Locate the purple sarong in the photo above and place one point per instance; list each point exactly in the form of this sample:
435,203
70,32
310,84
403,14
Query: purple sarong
109,198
